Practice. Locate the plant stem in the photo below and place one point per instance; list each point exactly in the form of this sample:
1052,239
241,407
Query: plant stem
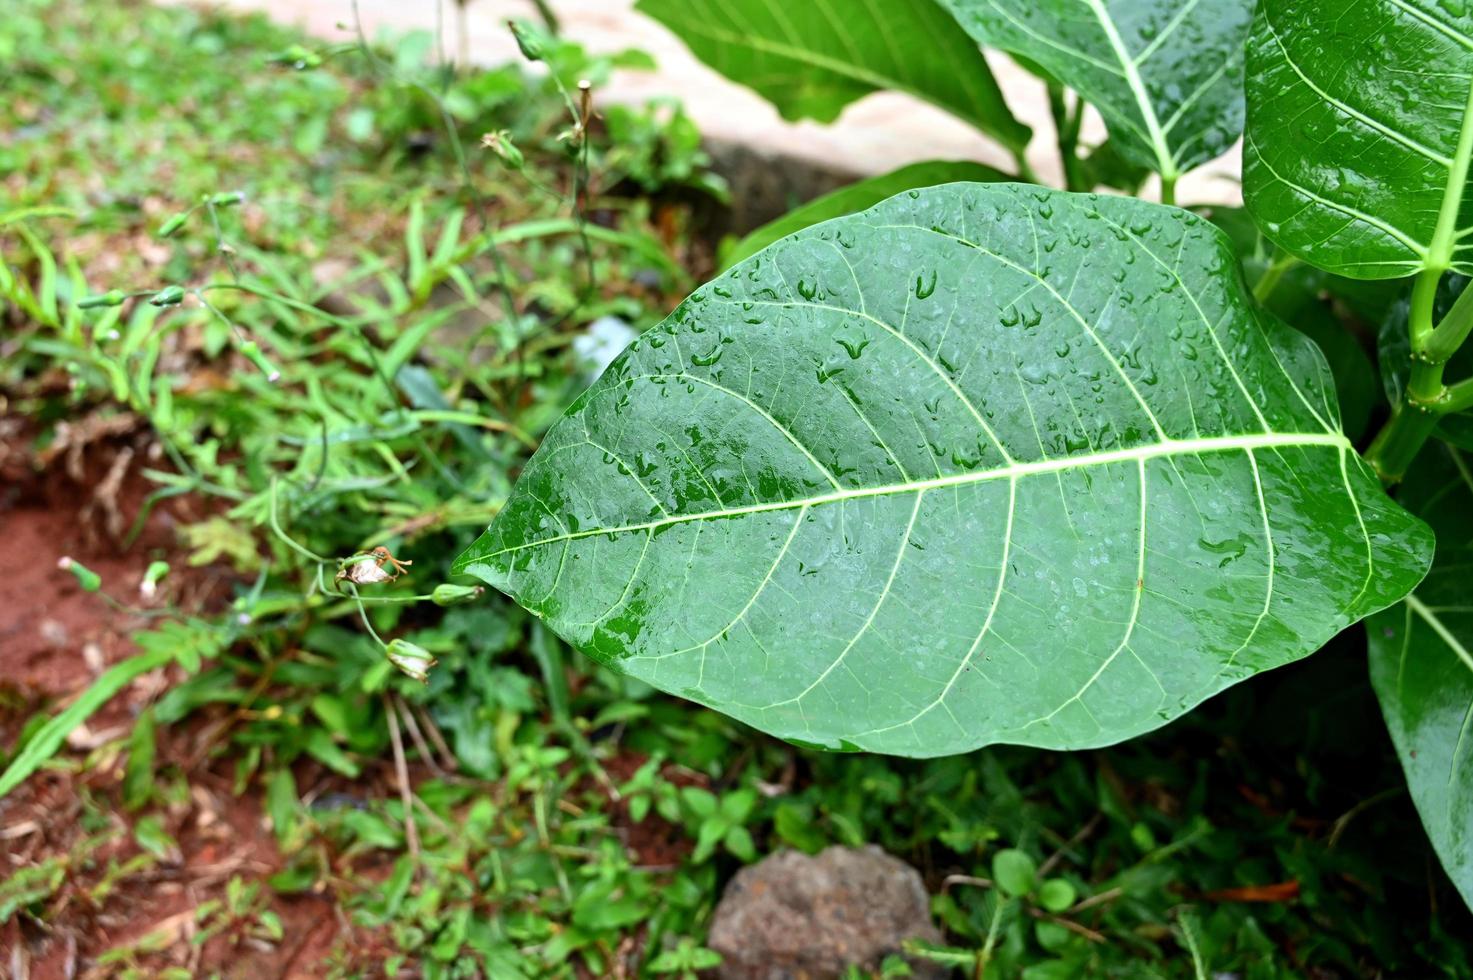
1400,440
1267,282
1025,172
1458,397
1424,292
401,775
1066,125
994,928
1168,188
1425,398
1449,335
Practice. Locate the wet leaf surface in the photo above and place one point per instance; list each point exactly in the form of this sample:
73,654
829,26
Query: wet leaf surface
986,463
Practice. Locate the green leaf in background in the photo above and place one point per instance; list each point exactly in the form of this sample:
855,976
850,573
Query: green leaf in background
860,195
1422,664
1013,871
985,463
812,59
1359,133
1106,166
1166,75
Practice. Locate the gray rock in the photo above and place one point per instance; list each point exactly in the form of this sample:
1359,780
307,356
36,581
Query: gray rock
796,917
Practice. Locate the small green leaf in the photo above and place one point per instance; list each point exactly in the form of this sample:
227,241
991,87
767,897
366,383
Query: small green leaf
282,804
1056,894
739,843
1013,872
138,773
320,745
150,834
708,836
701,802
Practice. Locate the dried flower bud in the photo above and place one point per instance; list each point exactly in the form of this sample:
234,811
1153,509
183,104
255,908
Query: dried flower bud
297,56
500,143
528,38
168,296
151,578
173,224
252,352
415,661
446,594
365,573
89,580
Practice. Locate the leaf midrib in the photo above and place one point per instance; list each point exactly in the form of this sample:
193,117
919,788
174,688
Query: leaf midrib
1012,471
1440,249
1164,157
1440,628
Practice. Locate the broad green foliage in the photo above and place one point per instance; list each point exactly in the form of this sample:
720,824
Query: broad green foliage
1166,75
1303,297
812,59
1360,131
985,463
860,195
1422,664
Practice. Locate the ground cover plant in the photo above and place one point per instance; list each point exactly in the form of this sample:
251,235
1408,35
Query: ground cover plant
294,316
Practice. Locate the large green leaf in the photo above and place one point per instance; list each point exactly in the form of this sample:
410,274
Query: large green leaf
985,463
811,59
1167,75
860,195
1360,131
1422,664
1307,298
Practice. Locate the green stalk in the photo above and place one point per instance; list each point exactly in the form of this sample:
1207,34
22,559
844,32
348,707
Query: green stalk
1449,335
1066,125
1168,188
1425,398
1269,281
1458,397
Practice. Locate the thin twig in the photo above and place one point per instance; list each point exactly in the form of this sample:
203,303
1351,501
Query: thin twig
1069,924
1344,819
1083,832
1108,895
950,880
416,736
438,738
401,771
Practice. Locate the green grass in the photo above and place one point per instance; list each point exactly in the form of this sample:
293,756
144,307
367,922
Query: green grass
575,820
